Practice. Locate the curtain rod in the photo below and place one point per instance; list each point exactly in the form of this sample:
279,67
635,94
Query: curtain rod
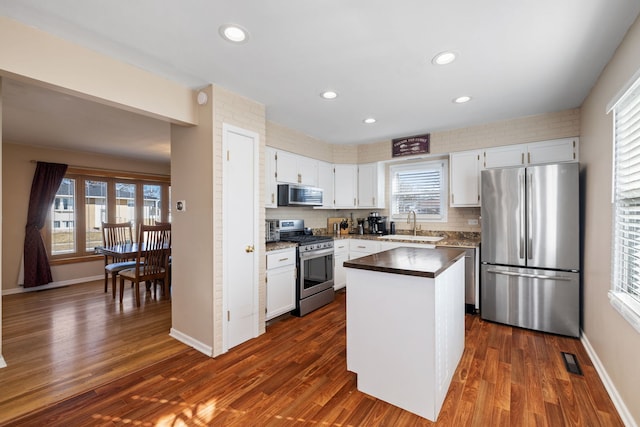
110,171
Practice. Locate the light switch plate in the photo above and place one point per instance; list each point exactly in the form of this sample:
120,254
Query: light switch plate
473,222
181,205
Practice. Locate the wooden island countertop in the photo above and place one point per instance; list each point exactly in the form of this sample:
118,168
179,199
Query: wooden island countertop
420,262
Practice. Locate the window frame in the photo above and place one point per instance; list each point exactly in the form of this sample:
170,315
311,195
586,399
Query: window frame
81,175
624,294
441,164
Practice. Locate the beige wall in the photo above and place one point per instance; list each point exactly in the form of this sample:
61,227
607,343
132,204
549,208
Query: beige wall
540,127
615,343
192,181
17,174
38,58
197,178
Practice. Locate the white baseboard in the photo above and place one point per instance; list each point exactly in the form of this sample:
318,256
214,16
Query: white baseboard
623,411
52,285
191,342
3,364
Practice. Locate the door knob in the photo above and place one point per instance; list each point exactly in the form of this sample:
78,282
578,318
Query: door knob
248,249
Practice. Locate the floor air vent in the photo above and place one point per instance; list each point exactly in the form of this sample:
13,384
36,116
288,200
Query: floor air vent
571,363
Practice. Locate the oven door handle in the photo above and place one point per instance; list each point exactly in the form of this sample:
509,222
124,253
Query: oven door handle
316,253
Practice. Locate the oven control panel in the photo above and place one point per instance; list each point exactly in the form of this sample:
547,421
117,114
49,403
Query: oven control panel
316,246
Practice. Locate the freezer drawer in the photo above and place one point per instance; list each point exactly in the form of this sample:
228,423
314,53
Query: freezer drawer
542,300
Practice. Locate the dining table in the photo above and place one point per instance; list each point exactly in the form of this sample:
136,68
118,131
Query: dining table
123,251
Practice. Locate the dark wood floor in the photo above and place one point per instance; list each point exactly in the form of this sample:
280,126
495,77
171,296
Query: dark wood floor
295,374
60,342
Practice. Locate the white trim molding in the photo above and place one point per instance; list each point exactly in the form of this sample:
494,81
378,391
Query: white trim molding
623,411
191,342
52,285
3,364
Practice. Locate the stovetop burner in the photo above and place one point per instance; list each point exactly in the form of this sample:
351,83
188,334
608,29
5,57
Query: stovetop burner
306,238
294,231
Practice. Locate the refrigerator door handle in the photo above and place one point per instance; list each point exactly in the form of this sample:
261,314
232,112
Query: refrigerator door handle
522,215
530,276
529,217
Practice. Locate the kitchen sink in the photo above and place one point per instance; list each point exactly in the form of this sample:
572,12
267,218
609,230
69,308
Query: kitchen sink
411,238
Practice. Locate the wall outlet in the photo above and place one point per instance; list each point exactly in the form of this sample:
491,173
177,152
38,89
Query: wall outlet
181,205
473,222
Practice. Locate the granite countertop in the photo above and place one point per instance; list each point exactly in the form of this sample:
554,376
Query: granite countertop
420,262
456,239
274,246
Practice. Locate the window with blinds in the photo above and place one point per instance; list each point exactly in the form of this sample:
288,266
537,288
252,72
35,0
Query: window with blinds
625,293
419,187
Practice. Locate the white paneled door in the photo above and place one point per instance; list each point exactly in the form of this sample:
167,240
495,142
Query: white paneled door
240,235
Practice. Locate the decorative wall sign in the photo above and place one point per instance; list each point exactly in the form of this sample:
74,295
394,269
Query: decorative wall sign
410,145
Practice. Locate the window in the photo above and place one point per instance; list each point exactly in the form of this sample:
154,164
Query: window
419,187
625,292
63,236
84,201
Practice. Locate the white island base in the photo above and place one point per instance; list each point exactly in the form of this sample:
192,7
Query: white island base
405,335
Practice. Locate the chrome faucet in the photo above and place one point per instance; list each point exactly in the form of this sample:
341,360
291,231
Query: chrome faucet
414,220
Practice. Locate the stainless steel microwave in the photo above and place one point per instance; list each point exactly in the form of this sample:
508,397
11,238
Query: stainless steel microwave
299,195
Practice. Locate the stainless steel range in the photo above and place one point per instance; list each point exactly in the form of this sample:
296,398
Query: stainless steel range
315,266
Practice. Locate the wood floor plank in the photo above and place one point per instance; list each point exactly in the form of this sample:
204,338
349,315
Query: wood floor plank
295,374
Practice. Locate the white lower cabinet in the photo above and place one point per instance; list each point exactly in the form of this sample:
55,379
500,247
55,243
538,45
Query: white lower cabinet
340,255
359,248
281,282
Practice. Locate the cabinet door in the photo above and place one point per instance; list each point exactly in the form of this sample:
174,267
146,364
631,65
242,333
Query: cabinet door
325,181
371,185
339,272
270,183
281,291
464,179
553,151
345,186
499,157
308,171
287,167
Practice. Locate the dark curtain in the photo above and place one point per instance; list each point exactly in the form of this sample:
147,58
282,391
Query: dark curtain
46,182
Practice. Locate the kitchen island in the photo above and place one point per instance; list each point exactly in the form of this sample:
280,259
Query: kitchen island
405,325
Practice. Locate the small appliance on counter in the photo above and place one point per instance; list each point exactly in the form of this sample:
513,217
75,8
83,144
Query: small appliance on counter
377,224
272,230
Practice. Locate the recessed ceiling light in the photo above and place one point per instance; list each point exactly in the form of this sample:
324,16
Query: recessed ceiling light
369,120
462,99
329,94
444,58
233,33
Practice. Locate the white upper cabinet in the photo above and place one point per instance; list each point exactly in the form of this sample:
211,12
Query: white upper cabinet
464,178
345,186
371,185
325,181
500,157
535,153
554,151
271,182
296,169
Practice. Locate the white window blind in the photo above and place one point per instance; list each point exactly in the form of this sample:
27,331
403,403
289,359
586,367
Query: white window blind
625,293
419,187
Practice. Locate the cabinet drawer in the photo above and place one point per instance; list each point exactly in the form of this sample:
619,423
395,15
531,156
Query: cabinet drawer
340,246
368,246
281,258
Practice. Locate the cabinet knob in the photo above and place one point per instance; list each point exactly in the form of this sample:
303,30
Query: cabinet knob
249,249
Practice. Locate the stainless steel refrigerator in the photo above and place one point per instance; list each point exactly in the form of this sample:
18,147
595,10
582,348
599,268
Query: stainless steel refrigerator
530,251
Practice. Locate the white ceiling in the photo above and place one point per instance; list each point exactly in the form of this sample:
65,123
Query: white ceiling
515,58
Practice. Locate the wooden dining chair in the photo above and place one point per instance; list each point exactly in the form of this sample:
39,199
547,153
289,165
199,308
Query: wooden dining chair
152,260
114,234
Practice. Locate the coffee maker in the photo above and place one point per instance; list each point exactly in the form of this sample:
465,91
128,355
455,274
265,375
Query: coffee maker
377,224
